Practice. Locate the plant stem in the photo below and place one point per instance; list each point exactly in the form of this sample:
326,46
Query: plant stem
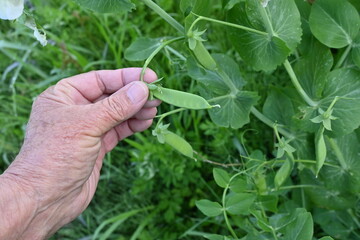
343,57
224,206
265,17
297,85
202,18
270,123
162,116
338,153
164,15
228,82
295,186
153,54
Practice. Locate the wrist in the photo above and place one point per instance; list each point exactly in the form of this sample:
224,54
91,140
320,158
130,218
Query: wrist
17,205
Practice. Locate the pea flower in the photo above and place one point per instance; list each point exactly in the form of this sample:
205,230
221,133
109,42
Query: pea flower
11,9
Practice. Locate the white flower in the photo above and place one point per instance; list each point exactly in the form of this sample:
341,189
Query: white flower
11,9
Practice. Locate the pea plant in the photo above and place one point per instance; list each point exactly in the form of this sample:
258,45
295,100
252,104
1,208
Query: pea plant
308,186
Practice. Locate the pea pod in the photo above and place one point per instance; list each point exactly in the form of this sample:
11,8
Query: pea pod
179,144
203,56
181,99
284,172
320,148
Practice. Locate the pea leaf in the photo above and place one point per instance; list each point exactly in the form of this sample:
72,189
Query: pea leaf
356,51
216,237
300,229
279,108
280,19
343,152
141,49
313,68
234,109
334,223
221,177
326,194
344,83
209,208
269,202
107,6
334,23
238,185
239,203
326,238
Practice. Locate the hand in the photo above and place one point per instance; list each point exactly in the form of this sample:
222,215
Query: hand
72,126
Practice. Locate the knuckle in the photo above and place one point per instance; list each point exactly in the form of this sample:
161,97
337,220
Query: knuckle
115,109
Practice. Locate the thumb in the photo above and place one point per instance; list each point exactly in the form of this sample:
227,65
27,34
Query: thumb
120,106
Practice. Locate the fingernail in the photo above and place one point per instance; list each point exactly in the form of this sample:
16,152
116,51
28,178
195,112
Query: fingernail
137,92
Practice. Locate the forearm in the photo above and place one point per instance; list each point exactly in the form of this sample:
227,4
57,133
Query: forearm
17,207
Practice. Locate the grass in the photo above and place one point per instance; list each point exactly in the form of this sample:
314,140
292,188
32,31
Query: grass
146,191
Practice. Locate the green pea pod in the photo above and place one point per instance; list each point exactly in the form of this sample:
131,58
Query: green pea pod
284,172
181,99
179,144
320,148
203,56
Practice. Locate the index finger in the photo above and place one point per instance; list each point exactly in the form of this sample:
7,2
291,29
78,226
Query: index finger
88,87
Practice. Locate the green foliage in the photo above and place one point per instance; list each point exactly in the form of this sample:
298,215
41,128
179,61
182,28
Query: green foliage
289,171
107,6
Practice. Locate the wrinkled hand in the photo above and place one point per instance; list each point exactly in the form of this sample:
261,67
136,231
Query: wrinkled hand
72,126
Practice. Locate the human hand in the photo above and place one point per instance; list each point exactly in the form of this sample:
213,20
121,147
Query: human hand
72,126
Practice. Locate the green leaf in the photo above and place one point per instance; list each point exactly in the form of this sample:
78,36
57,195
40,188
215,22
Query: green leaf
328,190
283,173
238,185
239,203
279,108
107,6
221,177
269,202
300,229
335,23
344,83
356,51
234,109
345,153
320,148
141,49
210,209
216,237
335,223
265,52
326,238
313,68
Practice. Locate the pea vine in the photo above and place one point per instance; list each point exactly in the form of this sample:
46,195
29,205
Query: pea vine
315,115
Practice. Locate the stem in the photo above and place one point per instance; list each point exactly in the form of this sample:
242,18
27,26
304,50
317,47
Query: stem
338,153
224,206
164,15
343,57
202,18
295,186
153,54
270,123
228,82
266,20
162,116
297,85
